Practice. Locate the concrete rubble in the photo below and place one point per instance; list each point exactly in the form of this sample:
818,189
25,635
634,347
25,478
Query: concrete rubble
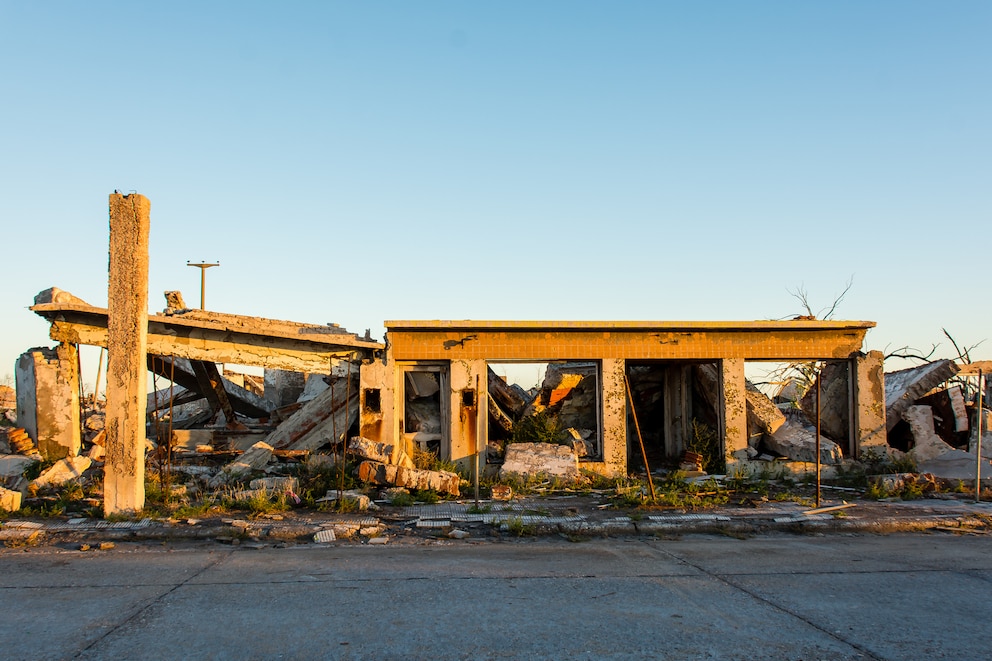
904,387
799,443
255,458
545,460
62,471
411,478
429,389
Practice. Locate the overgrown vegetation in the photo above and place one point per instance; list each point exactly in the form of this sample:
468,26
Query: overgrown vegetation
706,442
537,428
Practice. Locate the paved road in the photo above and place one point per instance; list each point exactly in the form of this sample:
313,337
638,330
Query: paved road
699,597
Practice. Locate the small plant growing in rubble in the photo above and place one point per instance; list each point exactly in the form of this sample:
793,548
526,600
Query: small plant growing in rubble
515,526
261,503
537,428
401,499
426,496
705,442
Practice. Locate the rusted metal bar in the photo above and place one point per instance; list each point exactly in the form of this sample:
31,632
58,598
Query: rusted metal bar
978,441
637,427
818,436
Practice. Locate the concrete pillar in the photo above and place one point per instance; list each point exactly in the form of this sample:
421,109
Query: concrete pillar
733,410
614,408
869,403
127,329
377,418
48,399
469,384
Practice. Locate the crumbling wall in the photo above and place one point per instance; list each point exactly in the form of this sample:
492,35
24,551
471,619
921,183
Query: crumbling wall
48,399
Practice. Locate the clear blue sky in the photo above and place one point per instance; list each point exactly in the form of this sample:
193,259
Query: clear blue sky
356,162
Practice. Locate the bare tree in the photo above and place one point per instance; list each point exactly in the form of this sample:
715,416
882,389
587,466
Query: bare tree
801,295
805,373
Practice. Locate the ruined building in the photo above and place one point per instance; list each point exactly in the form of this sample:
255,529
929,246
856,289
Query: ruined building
607,387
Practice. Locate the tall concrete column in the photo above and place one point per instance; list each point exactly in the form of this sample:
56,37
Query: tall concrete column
127,330
733,410
869,403
614,407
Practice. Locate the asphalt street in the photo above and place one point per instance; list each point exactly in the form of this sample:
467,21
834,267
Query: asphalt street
851,596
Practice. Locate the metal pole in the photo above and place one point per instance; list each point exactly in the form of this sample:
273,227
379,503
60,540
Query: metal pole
644,453
978,442
203,266
478,436
96,386
818,438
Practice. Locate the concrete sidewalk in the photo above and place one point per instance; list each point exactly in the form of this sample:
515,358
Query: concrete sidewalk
566,515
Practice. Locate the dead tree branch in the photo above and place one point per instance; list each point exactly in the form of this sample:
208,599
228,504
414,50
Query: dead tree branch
801,295
911,353
964,355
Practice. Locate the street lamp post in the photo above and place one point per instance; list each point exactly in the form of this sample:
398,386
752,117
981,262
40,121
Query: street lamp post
203,266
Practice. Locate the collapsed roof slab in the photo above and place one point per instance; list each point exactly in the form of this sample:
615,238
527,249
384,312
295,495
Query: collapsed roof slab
217,337
904,387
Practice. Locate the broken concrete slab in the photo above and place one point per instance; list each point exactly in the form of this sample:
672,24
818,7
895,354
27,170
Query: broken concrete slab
955,465
255,458
835,400
411,478
509,398
62,471
498,417
927,444
904,387
316,422
381,452
540,459
762,414
796,442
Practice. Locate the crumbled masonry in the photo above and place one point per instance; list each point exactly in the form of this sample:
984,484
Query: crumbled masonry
610,398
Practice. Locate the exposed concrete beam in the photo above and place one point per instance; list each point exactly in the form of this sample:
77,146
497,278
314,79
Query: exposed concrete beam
218,338
211,384
180,371
675,340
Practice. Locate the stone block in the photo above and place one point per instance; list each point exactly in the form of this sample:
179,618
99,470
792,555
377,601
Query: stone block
10,500
540,459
